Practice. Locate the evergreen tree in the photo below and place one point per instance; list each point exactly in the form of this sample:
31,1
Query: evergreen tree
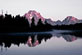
33,22
32,25
40,25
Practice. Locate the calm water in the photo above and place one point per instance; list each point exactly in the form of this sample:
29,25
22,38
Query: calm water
43,43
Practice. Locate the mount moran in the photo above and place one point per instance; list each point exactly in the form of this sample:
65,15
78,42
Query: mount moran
36,15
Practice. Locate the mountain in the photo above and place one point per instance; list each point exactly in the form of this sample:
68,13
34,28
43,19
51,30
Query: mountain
67,21
70,20
49,21
80,21
33,14
58,22
36,15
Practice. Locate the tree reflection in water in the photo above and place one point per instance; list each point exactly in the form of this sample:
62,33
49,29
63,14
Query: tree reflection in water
31,40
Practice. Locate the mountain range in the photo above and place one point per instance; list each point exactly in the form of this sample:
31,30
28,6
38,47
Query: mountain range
36,15
67,21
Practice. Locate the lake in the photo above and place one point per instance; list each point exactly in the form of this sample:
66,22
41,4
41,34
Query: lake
56,42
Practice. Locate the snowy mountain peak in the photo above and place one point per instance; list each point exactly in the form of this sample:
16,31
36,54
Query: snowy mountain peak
70,20
33,14
36,15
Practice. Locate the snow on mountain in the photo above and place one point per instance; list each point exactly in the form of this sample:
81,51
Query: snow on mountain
70,20
33,14
36,15
67,21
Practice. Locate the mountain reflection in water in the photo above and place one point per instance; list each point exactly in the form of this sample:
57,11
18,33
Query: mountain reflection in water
32,40
10,40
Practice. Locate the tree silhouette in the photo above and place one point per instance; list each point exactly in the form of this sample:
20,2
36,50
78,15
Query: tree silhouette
33,22
9,23
40,25
33,25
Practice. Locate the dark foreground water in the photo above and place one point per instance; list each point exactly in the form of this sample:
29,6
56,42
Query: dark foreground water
41,43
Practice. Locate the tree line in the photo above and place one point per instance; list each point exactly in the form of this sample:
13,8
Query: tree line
9,23
77,26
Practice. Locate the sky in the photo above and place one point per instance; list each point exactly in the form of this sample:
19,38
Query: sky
54,9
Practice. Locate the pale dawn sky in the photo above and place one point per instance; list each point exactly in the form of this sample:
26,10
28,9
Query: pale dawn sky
54,9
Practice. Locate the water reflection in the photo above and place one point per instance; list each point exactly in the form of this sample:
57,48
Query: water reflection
32,40
25,42
31,43
36,39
